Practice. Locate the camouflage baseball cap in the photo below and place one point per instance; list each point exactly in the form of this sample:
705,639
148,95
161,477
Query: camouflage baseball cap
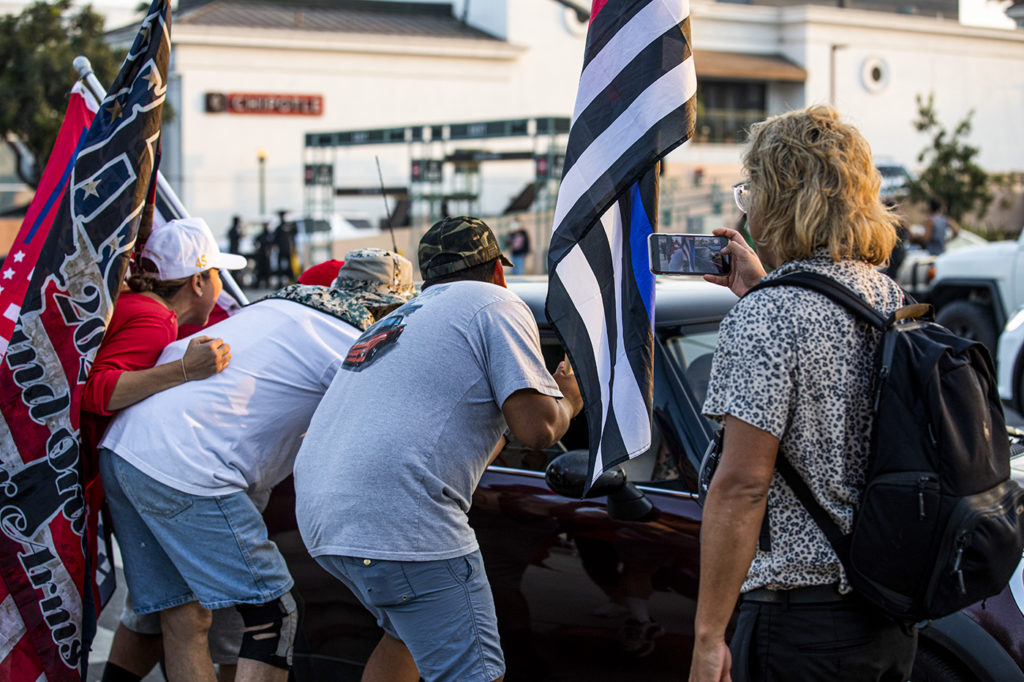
380,277
457,243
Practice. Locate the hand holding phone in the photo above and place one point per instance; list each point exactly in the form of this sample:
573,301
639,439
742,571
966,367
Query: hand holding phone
688,254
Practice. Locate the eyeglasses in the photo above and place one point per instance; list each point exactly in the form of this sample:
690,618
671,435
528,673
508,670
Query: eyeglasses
741,192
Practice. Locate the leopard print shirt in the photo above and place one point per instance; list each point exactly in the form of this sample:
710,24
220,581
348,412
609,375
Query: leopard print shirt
793,363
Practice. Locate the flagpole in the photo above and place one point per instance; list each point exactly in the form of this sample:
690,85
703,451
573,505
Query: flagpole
84,69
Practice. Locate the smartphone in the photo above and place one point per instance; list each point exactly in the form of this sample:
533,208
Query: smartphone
687,254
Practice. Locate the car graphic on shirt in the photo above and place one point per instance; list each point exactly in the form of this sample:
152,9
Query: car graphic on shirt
378,339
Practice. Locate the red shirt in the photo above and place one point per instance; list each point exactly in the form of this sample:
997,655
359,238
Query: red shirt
138,331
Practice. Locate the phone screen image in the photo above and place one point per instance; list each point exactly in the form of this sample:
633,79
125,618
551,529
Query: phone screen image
688,254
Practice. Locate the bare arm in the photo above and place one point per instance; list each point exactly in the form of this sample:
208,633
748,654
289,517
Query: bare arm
733,515
539,420
204,357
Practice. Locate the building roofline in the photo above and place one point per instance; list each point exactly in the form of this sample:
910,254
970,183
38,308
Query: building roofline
327,41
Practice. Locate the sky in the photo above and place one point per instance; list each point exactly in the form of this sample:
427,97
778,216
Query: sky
985,13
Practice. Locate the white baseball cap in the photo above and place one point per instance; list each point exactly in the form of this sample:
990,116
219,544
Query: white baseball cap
184,247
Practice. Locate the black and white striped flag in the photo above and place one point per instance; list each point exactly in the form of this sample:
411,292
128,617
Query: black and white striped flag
635,104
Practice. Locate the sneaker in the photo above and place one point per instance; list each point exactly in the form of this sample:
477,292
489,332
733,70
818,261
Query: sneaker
638,638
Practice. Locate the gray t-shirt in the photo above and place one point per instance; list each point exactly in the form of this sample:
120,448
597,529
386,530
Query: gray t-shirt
398,444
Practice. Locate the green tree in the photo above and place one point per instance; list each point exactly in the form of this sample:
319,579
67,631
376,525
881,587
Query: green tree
36,51
951,175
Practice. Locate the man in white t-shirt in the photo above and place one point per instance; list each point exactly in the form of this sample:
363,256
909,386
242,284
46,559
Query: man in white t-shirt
382,502
187,470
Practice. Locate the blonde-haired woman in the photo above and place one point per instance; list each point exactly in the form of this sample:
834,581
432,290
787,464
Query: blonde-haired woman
791,378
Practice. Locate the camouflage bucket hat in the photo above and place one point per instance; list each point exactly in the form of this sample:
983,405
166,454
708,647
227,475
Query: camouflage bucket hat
455,244
379,278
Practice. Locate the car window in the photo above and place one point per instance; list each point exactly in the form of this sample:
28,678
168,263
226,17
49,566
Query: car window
692,354
668,463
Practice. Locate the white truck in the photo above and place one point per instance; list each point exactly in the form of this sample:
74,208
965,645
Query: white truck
976,289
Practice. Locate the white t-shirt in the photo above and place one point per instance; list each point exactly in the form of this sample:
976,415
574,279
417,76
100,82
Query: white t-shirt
237,430
402,437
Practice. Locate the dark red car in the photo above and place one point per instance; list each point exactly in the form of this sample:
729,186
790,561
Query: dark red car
561,568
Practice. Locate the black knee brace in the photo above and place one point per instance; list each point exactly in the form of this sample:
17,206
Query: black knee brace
269,631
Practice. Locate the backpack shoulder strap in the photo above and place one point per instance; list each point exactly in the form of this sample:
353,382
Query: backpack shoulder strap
840,294
840,542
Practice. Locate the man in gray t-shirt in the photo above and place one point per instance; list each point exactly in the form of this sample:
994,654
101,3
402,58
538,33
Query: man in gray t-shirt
386,474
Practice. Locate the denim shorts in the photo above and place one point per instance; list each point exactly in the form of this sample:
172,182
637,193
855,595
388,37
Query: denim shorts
179,548
442,610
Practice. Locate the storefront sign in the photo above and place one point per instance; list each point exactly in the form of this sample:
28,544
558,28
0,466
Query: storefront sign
262,103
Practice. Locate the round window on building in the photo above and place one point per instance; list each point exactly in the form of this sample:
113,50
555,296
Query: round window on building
875,74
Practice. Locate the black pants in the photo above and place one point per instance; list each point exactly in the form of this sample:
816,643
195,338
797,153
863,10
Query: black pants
843,640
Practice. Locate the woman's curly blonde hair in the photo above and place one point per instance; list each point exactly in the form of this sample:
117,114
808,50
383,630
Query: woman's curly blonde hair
813,185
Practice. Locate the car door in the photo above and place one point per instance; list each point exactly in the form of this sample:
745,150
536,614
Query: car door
572,586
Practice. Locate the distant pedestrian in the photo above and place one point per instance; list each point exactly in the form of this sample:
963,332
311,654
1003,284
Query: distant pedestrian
519,246
284,239
264,249
937,227
235,234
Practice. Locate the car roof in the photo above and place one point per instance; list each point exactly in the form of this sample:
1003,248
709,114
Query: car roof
679,301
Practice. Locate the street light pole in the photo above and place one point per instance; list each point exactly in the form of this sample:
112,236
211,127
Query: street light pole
261,156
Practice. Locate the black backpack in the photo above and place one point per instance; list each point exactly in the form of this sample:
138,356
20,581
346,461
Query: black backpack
939,525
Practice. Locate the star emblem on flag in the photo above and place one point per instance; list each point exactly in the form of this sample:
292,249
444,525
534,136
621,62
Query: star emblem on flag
115,110
153,78
90,188
19,256
8,273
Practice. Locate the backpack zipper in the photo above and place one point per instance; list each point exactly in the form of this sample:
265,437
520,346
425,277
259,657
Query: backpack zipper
921,485
961,543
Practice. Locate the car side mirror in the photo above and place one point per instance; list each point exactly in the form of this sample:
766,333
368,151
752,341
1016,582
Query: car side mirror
567,476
